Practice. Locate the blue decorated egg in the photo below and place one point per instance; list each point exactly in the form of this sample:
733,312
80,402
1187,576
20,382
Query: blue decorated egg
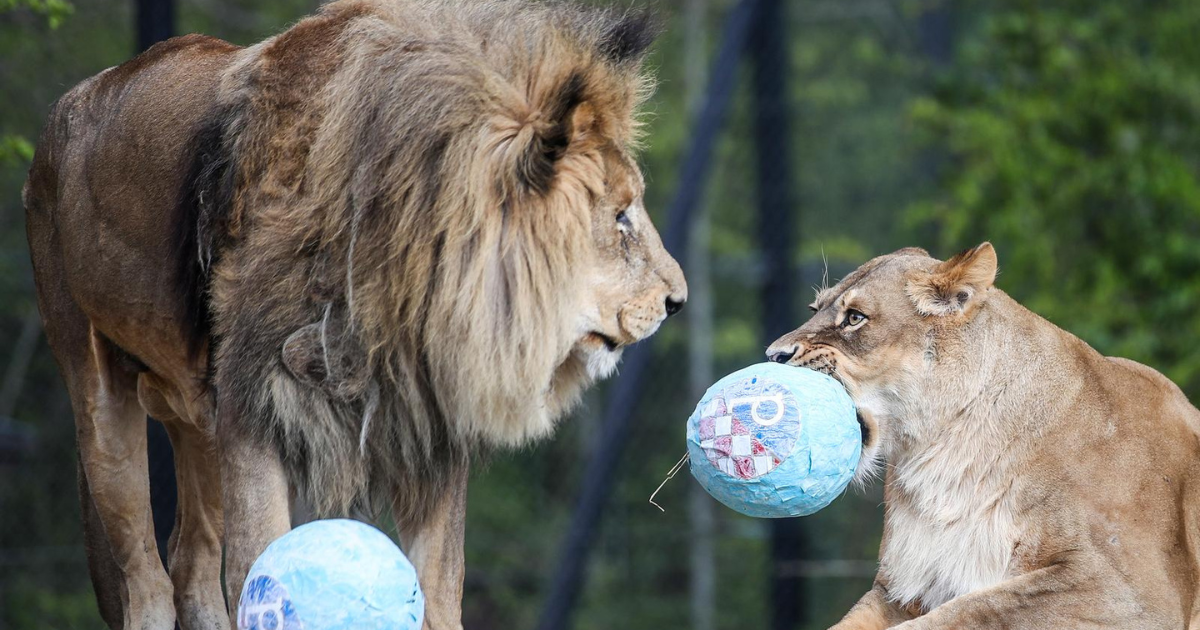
332,575
773,441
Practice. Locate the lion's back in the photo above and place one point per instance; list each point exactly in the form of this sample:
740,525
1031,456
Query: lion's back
105,186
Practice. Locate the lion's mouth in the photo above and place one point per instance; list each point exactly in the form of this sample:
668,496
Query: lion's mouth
599,353
610,344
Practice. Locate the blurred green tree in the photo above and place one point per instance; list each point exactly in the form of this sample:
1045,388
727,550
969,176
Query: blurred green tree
15,149
1071,131
1063,131
54,10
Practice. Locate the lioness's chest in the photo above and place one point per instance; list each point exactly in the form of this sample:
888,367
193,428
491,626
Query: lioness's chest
942,547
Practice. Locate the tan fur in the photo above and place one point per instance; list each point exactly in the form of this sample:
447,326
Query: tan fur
397,233
1031,482
505,288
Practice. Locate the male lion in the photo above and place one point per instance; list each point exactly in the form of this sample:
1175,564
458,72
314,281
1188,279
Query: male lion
1031,482
345,258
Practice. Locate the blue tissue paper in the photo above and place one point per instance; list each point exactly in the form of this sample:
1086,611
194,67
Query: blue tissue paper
774,441
332,575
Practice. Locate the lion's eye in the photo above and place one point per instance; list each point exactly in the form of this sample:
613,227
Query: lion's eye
623,219
853,318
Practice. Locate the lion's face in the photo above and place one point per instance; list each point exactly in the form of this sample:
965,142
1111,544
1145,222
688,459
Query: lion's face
881,329
633,284
497,254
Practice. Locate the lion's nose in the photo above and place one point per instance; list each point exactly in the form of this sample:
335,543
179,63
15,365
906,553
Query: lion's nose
673,305
781,355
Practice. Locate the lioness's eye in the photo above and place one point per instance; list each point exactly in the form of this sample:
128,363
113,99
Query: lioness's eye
623,219
853,318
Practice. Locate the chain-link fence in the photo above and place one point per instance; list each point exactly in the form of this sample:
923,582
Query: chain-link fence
725,153
795,140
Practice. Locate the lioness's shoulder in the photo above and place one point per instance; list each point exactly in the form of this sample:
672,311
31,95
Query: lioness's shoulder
1141,388
1152,376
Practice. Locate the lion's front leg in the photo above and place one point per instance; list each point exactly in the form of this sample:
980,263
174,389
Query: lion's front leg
873,612
435,548
255,495
1058,596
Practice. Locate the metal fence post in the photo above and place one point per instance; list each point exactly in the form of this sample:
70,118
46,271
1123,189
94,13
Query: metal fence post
599,478
777,235
155,22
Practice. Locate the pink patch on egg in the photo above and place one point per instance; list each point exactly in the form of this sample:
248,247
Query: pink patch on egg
745,467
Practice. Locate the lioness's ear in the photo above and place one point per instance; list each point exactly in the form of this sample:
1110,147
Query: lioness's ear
955,286
911,251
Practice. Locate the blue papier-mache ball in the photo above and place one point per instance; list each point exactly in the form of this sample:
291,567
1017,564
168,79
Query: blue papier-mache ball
774,441
332,575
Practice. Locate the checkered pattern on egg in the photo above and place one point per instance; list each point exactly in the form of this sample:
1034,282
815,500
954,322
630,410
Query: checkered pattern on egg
774,441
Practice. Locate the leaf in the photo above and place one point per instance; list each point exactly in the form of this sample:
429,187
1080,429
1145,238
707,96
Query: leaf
15,150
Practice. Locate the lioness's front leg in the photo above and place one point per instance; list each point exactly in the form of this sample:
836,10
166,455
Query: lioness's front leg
435,548
255,495
873,612
1058,596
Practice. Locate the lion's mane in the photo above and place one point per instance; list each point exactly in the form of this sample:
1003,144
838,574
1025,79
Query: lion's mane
390,211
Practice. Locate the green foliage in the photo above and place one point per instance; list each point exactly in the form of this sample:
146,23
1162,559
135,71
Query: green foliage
15,150
1072,135
54,10
33,606
1064,131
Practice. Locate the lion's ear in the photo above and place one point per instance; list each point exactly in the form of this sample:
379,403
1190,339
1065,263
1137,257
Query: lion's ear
627,38
566,108
957,285
548,136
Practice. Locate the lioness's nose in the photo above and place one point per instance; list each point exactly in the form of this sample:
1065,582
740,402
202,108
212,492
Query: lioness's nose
673,305
785,348
781,355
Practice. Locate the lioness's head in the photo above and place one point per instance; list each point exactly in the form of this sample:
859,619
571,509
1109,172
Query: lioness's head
880,330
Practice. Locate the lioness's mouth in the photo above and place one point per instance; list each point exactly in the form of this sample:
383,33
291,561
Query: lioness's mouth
819,358
828,367
864,429
825,368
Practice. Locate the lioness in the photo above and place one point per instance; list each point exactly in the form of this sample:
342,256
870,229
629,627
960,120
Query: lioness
342,259
1031,482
